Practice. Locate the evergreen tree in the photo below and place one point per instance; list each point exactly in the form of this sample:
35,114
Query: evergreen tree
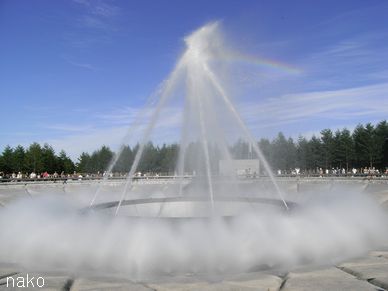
18,160
125,160
100,159
381,139
64,163
368,149
168,158
266,148
34,158
315,158
279,152
7,160
149,160
343,149
302,153
291,154
84,163
49,159
327,147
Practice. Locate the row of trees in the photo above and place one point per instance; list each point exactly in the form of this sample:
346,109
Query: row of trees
35,158
154,159
366,146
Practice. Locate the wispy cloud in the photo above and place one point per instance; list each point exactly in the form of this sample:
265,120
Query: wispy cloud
94,24
97,14
82,65
368,101
121,116
99,7
357,59
90,140
69,128
122,125
336,109
170,116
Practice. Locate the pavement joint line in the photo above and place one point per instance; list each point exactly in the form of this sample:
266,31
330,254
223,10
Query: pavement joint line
8,275
357,275
284,281
378,283
145,285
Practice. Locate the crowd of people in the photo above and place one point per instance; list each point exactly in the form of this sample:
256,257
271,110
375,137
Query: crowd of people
365,171
318,172
37,176
53,176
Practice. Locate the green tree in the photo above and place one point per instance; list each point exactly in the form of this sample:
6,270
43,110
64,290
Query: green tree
125,160
343,149
315,158
19,159
100,159
84,163
7,160
367,146
327,147
280,152
34,158
266,148
49,158
64,163
302,153
149,160
168,158
381,135
291,154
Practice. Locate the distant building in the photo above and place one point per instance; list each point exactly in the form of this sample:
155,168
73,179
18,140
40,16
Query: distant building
242,168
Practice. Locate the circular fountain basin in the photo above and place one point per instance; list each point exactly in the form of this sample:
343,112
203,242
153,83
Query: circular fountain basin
191,206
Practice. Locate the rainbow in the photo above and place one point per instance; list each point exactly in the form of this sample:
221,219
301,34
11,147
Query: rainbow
269,63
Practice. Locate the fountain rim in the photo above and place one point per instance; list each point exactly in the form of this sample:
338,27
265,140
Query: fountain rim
218,198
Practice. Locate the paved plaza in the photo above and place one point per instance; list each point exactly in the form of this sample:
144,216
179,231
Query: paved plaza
368,272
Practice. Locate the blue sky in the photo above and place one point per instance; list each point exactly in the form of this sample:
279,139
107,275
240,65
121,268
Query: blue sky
75,73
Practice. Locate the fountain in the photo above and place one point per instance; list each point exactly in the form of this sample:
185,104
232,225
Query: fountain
209,120
202,221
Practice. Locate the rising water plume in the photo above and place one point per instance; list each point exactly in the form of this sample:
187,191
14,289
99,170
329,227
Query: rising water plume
209,117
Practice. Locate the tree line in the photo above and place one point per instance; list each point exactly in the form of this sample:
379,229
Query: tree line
155,159
366,146
35,158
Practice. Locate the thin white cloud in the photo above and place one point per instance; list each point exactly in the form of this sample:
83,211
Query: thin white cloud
69,128
170,116
97,14
99,7
115,128
88,141
358,54
367,101
113,137
81,65
344,106
94,24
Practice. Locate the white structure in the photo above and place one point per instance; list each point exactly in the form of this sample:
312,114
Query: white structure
247,168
